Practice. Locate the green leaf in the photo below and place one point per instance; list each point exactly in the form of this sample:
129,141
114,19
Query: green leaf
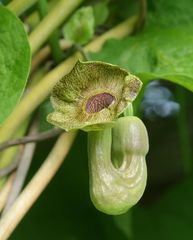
80,27
163,53
156,53
14,61
101,13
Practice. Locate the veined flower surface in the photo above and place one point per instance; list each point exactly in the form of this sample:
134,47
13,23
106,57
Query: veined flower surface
92,96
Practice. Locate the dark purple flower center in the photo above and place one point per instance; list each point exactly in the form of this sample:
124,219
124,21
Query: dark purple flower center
98,102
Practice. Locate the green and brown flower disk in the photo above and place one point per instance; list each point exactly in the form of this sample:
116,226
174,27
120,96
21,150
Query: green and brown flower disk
92,96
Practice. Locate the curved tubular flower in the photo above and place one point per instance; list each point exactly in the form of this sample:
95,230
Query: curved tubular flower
114,189
92,96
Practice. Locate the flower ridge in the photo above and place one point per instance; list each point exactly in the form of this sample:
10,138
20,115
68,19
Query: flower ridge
92,96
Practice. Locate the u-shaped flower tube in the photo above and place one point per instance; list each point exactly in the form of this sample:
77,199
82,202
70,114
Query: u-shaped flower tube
117,183
92,97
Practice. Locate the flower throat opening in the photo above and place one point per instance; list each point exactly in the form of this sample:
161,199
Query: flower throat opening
98,102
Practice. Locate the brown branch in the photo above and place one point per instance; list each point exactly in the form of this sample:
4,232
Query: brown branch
4,171
35,138
11,167
24,164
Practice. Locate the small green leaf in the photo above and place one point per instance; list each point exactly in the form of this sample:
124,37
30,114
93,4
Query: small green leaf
14,61
80,27
101,13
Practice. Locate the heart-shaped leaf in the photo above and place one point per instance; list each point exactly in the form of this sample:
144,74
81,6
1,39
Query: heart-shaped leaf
14,61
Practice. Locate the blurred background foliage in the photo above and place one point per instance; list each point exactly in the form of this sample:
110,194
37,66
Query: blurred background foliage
162,50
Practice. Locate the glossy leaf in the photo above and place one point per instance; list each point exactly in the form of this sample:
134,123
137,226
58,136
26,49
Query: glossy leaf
14,61
158,53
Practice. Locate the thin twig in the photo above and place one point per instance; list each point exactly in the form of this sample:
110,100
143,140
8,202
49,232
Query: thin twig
35,187
24,164
34,138
13,163
12,166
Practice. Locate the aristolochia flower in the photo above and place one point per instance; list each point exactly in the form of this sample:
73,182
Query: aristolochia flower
92,96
